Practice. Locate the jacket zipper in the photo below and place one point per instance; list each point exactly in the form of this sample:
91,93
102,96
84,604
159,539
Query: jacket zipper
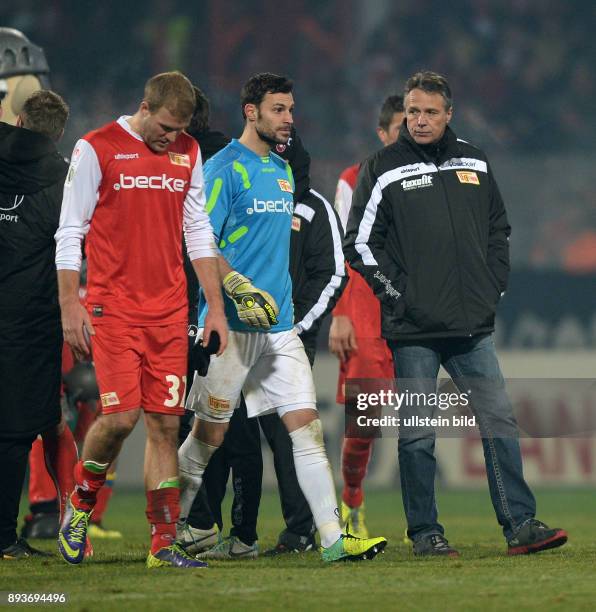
460,283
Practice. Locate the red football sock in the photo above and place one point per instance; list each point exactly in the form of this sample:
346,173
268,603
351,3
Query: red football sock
61,457
41,486
86,416
87,484
163,511
354,462
103,497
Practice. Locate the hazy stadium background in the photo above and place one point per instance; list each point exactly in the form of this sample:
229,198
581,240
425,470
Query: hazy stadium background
524,84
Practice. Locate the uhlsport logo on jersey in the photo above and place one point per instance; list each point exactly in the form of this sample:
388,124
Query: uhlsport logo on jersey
126,156
11,205
426,180
274,206
161,182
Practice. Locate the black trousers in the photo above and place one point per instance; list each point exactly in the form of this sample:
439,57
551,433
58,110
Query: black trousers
14,453
241,453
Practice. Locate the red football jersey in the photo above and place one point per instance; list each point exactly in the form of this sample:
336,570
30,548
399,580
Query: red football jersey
358,302
131,201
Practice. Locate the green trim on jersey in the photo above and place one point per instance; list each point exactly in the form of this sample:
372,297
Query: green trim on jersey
237,234
290,176
243,172
234,236
217,185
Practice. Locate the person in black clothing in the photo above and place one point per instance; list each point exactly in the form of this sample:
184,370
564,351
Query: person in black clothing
318,277
32,174
429,232
210,142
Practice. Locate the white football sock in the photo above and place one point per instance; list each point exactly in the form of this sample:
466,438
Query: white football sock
316,481
193,457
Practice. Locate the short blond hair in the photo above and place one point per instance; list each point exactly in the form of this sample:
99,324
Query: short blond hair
173,91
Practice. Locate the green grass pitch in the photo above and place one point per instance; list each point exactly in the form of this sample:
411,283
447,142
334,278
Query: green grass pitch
483,578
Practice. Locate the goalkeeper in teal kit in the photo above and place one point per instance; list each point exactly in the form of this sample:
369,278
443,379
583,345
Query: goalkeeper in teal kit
250,204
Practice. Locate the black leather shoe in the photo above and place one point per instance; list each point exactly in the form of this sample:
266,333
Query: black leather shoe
434,545
21,550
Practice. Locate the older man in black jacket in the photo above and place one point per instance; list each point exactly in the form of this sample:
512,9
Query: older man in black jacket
32,175
429,232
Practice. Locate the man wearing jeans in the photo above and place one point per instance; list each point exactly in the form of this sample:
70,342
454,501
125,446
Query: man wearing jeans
429,232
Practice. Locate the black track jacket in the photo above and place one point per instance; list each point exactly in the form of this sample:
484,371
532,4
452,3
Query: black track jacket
316,263
31,180
429,232
32,176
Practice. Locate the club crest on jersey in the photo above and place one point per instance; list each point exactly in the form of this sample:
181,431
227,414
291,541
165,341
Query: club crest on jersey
179,159
470,178
285,185
109,399
218,405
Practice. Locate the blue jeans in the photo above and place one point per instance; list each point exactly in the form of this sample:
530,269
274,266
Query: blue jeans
472,364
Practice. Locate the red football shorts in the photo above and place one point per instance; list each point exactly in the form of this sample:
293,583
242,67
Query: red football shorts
141,367
373,359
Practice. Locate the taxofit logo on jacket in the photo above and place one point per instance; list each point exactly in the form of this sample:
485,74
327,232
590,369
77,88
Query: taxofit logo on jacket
426,180
161,182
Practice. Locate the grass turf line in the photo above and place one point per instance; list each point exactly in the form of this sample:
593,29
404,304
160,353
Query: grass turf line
483,578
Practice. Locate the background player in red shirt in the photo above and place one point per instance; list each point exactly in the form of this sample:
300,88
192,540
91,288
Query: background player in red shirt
355,338
131,188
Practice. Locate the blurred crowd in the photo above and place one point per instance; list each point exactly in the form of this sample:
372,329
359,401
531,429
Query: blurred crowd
522,73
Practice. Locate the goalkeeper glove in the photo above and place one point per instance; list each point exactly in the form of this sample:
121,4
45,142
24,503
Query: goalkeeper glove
199,356
255,307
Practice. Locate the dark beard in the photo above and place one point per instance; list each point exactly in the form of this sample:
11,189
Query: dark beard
268,139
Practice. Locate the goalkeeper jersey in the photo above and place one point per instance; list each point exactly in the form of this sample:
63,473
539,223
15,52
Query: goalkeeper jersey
250,204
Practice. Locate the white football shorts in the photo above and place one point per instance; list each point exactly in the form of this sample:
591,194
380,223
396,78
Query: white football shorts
271,369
